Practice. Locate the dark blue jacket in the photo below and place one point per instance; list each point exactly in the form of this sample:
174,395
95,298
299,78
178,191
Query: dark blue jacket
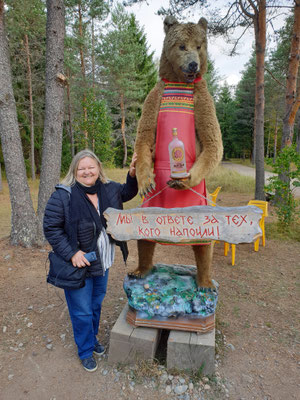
57,219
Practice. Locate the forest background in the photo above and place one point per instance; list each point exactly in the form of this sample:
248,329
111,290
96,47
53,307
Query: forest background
108,72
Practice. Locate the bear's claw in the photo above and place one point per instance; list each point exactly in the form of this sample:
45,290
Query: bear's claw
136,275
147,190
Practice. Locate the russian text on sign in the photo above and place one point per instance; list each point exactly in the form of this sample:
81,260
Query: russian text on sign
188,224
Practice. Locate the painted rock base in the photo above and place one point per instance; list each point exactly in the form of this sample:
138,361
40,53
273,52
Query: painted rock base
170,291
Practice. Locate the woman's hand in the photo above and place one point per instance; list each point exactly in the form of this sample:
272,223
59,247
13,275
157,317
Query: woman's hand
79,261
132,165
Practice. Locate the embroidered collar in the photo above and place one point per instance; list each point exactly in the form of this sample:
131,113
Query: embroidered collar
194,81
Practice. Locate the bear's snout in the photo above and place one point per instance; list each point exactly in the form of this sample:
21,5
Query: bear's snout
190,69
193,66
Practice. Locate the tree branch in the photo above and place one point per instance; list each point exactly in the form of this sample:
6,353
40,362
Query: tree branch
275,79
249,15
226,23
254,7
237,40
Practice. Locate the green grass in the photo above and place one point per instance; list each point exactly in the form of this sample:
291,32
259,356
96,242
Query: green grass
273,231
230,181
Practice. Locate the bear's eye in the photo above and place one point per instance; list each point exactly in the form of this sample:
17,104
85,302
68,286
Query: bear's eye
182,47
198,47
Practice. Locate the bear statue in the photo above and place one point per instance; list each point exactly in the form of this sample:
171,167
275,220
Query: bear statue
179,100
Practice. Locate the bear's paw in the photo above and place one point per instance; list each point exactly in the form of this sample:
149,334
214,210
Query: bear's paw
146,183
179,184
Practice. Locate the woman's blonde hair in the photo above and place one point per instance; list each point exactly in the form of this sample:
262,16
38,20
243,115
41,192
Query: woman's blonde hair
70,178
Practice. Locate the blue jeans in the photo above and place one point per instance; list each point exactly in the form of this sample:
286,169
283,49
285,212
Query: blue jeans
85,309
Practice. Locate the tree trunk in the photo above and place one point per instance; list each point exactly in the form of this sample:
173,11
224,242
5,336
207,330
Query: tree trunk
260,45
82,63
93,54
93,72
292,101
275,140
1,187
23,219
123,130
268,143
30,108
298,134
253,156
71,134
54,103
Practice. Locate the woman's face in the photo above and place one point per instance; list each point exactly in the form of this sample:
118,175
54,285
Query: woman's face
87,171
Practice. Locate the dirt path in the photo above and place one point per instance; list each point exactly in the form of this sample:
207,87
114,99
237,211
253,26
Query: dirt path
248,171
257,329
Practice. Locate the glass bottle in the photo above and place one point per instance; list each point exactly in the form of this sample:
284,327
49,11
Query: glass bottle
177,157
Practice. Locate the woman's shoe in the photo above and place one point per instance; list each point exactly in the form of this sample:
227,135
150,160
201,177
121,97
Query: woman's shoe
99,349
89,364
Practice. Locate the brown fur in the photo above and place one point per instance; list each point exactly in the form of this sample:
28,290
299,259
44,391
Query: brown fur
185,45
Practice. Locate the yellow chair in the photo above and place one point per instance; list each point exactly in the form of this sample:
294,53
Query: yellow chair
213,196
263,205
226,248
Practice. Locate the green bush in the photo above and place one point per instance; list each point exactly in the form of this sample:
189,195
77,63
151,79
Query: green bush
287,164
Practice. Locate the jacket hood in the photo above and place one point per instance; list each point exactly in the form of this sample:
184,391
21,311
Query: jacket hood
64,187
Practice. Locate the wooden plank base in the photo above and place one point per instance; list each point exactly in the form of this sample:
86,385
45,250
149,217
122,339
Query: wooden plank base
200,325
129,344
190,351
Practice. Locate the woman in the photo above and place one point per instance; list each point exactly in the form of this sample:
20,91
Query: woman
74,225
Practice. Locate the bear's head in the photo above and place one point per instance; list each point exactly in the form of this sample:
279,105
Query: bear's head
184,54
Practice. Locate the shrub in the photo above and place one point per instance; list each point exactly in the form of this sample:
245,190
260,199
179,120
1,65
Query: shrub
287,170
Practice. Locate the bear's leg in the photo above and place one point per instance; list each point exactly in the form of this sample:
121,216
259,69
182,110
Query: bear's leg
145,252
203,256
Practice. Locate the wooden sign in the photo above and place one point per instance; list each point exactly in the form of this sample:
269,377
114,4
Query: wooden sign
185,225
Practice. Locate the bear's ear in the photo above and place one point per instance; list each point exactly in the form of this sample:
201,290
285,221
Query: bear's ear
203,24
168,22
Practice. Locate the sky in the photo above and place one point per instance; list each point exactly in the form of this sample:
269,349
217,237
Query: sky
228,68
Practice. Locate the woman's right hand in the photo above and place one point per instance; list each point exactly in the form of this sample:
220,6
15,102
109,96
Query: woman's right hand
132,171
79,261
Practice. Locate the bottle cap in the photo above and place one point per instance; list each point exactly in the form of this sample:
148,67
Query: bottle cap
174,131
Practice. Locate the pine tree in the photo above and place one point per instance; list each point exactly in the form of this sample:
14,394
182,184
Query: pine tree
128,73
25,23
81,17
225,108
244,112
